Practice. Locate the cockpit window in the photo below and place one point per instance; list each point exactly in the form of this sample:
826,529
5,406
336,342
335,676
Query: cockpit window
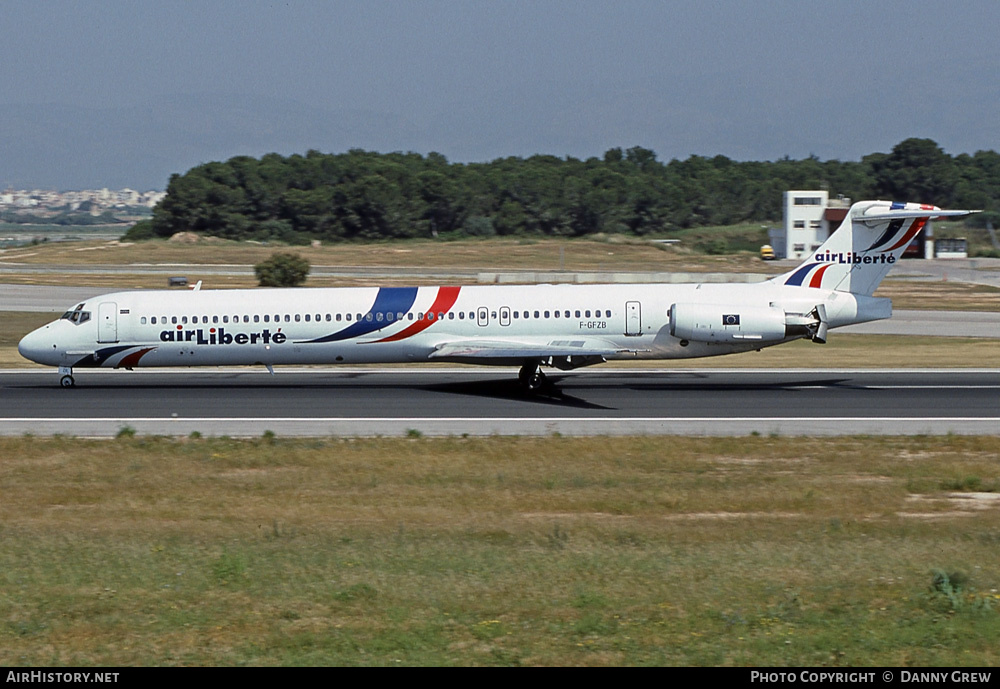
76,316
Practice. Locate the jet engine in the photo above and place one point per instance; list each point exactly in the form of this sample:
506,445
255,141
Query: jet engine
727,323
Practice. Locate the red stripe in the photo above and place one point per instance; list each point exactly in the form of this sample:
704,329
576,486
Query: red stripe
133,358
817,278
917,225
446,298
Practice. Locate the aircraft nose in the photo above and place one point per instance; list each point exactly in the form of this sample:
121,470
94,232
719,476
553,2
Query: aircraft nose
37,346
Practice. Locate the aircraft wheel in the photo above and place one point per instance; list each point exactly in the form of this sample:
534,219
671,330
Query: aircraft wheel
67,381
531,378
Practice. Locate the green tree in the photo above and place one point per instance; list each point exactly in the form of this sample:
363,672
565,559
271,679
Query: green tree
141,230
282,270
916,170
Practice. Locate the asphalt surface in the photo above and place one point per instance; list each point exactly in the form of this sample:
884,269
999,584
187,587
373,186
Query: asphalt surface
486,401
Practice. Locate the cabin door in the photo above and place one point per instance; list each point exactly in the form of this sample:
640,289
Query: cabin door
107,322
633,318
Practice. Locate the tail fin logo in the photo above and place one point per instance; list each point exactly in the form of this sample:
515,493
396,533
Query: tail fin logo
815,271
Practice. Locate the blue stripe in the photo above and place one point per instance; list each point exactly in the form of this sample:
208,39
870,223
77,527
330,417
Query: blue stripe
889,233
389,299
799,275
897,206
98,358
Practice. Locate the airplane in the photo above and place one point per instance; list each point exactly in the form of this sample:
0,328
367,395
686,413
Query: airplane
562,326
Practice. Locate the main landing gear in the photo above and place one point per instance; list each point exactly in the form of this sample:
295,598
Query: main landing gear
66,377
531,378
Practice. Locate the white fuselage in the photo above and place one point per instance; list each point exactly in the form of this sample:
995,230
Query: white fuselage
491,324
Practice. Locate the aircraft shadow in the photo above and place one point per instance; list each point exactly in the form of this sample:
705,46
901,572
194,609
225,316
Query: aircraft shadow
791,385
511,390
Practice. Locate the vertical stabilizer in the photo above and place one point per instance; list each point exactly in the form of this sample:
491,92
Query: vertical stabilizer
862,251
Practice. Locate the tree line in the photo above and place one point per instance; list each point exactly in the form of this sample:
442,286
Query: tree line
361,195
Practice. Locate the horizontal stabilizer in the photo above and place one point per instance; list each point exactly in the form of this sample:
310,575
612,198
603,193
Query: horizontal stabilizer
877,214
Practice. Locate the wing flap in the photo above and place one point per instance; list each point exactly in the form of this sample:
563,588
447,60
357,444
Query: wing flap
520,349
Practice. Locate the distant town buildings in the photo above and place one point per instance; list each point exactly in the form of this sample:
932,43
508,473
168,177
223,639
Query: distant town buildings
94,200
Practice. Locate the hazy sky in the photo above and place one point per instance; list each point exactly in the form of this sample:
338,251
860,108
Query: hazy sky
481,79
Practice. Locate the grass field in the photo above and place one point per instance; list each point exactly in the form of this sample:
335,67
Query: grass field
604,253
500,551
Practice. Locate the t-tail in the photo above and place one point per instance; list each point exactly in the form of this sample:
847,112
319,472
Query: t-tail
866,246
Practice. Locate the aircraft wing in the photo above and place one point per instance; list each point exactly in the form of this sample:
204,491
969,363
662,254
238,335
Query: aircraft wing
525,349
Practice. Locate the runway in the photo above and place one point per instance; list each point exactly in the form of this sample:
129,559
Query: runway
599,401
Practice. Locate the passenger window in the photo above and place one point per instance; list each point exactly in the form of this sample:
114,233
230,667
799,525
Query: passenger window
348,316
536,314
225,319
142,321
256,319
608,314
546,314
267,318
184,320
173,319
288,319
556,314
153,320
297,318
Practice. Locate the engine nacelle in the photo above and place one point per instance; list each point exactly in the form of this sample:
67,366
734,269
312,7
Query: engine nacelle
727,323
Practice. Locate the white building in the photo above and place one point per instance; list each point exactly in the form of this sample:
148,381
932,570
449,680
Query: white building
810,217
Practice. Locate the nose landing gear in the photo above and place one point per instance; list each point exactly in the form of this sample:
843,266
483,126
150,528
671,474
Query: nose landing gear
66,380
